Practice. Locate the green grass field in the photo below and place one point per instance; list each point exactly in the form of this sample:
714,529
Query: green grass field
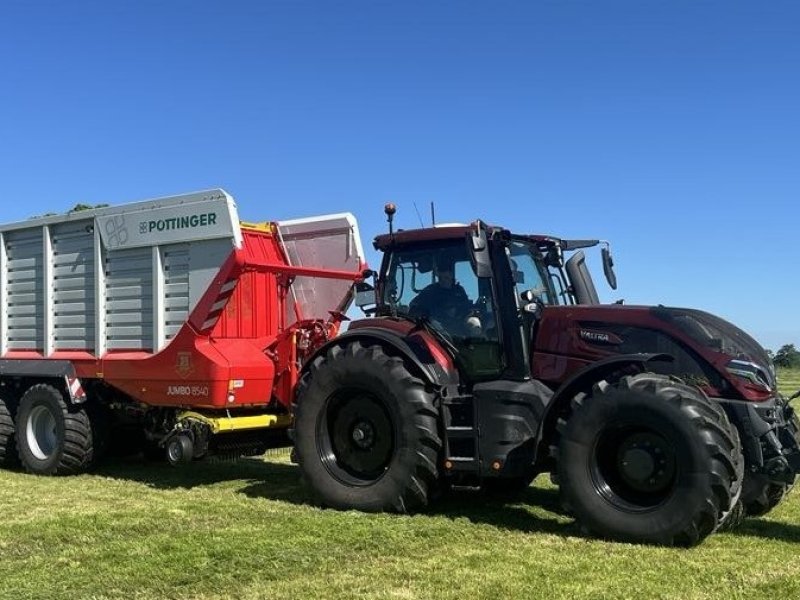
246,530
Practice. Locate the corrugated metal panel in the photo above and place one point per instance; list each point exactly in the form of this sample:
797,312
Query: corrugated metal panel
129,299
25,310
73,286
117,278
175,260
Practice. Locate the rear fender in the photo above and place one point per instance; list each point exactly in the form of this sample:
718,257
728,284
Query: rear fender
415,350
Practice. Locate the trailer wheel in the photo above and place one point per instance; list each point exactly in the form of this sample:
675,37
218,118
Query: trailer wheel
180,449
649,460
7,450
760,495
53,438
365,431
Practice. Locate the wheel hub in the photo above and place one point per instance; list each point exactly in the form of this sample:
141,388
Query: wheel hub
357,441
634,467
41,433
638,465
643,463
364,435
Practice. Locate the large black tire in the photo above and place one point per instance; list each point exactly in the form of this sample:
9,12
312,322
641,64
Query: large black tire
365,431
760,495
8,451
649,460
53,438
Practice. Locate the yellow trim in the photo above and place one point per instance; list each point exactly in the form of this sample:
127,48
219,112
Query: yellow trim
265,226
227,424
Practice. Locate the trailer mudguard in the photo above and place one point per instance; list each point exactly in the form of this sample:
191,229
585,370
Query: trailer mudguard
59,370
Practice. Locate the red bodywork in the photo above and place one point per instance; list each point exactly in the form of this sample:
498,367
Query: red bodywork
407,330
239,346
560,349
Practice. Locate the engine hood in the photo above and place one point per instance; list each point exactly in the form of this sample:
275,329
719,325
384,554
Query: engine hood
717,334
706,349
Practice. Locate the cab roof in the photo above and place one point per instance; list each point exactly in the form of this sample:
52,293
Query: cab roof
402,237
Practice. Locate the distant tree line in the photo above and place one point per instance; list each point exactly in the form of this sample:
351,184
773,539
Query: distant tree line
787,356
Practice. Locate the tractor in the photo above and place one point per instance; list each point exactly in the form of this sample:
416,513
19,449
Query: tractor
487,359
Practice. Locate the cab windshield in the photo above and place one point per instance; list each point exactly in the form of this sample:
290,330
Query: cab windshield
436,282
530,272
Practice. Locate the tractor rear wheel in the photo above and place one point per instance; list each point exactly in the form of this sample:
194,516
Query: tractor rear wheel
365,431
53,438
8,451
649,460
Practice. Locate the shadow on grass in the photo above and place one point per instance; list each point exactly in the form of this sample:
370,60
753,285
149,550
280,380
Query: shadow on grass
259,479
280,481
761,528
256,478
511,512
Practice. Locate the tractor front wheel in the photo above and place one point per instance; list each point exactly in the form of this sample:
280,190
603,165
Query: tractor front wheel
365,431
760,495
649,460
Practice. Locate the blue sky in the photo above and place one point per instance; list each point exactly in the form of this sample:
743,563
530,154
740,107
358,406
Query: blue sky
670,128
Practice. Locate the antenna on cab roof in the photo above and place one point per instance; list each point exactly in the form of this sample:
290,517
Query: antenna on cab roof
433,216
419,216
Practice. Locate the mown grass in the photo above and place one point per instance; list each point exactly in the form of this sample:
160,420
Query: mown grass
246,529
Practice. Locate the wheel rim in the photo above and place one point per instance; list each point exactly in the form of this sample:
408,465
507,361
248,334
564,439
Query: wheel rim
41,433
175,451
634,468
356,437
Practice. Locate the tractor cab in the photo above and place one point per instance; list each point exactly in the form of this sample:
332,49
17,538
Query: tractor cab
469,289
480,290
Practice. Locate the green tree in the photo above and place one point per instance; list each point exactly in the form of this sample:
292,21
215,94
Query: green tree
80,206
77,208
787,356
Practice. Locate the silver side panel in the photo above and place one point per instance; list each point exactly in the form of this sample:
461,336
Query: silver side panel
118,278
73,268
175,262
24,310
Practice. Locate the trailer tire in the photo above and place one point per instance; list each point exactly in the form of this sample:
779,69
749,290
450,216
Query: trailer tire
8,453
53,438
760,495
649,460
366,431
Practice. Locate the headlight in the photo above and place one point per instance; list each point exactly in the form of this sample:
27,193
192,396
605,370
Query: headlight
751,372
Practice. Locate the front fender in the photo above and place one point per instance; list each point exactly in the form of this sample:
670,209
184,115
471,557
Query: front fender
584,379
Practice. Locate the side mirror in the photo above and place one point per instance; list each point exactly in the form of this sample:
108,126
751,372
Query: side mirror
365,295
555,257
608,267
479,252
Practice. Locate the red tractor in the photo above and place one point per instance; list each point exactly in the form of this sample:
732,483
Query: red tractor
489,360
